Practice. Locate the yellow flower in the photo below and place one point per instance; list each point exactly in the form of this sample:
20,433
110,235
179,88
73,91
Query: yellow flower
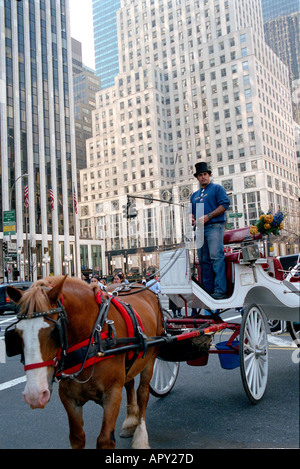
253,230
262,217
267,226
280,226
268,218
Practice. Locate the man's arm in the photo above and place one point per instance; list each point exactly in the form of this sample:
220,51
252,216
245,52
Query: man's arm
215,213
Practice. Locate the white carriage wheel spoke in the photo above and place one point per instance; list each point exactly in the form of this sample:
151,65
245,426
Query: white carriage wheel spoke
254,356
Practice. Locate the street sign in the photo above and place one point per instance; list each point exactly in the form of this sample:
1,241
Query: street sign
11,247
9,222
235,215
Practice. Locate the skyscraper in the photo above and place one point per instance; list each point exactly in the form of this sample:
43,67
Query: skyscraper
197,82
281,27
271,9
85,84
106,40
38,134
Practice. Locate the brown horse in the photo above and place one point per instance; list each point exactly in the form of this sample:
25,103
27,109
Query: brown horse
101,381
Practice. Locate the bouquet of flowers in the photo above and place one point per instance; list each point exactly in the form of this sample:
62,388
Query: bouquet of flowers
268,224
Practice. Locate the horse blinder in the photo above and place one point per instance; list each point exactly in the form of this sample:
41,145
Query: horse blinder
13,342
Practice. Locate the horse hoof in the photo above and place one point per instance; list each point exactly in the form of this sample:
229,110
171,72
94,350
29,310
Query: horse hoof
127,432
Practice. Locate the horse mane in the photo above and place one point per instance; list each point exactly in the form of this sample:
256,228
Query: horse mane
35,298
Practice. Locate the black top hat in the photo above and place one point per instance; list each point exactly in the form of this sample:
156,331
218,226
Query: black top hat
201,168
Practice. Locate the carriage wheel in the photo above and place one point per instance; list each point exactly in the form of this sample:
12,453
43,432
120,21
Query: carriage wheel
164,377
294,330
254,353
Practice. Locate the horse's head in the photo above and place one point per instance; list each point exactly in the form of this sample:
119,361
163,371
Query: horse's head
39,332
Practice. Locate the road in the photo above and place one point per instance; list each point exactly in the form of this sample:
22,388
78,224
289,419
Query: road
206,409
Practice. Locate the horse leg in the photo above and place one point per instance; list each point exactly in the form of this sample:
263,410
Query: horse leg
111,407
132,415
140,437
74,412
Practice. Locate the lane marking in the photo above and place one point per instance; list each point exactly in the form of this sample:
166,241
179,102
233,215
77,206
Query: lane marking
13,382
274,340
11,318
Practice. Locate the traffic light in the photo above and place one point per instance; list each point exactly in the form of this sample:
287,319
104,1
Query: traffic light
129,210
5,246
125,211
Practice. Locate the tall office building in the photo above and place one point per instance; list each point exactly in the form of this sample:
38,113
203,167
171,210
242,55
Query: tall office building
281,27
85,85
197,82
37,138
272,9
106,40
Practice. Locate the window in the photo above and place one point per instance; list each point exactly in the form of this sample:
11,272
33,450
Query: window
249,181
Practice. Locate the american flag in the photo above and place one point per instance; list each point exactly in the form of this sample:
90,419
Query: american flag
26,199
75,201
51,198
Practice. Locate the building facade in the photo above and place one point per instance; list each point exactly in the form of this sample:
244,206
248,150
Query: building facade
272,9
37,139
106,40
85,85
197,82
281,29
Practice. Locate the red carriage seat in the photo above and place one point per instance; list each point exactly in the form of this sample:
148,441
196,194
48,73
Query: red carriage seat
239,235
273,265
275,268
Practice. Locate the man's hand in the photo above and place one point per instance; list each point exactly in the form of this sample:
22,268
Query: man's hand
192,219
203,220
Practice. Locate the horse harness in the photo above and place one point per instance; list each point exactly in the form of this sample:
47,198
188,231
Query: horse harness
70,361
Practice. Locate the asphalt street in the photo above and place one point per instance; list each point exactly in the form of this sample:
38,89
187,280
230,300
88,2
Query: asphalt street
207,409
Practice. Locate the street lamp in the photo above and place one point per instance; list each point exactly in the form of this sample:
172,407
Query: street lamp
10,192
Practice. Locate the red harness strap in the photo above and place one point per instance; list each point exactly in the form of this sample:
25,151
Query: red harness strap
104,335
126,317
89,362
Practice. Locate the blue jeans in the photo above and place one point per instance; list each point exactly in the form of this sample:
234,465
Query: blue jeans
212,259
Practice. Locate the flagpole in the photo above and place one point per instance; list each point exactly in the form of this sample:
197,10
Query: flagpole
26,201
75,232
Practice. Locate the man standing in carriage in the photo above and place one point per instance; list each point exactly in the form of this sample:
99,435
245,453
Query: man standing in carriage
208,206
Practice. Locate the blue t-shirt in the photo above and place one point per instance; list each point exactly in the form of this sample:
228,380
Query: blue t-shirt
212,196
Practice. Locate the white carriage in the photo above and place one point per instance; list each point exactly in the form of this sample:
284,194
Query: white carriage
255,285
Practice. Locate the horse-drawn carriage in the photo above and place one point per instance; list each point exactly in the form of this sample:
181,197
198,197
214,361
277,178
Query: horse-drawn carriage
94,343
257,286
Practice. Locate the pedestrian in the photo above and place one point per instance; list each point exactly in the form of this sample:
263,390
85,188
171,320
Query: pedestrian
208,206
154,285
175,309
124,279
118,278
94,283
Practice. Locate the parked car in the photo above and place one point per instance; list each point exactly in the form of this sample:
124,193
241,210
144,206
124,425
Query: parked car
5,302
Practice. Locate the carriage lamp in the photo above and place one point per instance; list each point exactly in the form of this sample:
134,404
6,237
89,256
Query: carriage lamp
250,252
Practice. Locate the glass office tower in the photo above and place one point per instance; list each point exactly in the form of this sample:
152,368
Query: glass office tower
37,136
281,28
106,40
271,9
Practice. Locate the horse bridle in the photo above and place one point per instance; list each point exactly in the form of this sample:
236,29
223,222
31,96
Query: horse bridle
14,347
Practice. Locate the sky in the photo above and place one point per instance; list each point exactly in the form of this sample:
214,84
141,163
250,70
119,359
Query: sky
81,20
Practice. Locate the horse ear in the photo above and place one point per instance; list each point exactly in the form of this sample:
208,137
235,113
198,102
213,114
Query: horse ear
14,294
55,293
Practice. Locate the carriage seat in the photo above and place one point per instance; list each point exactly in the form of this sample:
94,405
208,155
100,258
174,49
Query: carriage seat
239,235
273,266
